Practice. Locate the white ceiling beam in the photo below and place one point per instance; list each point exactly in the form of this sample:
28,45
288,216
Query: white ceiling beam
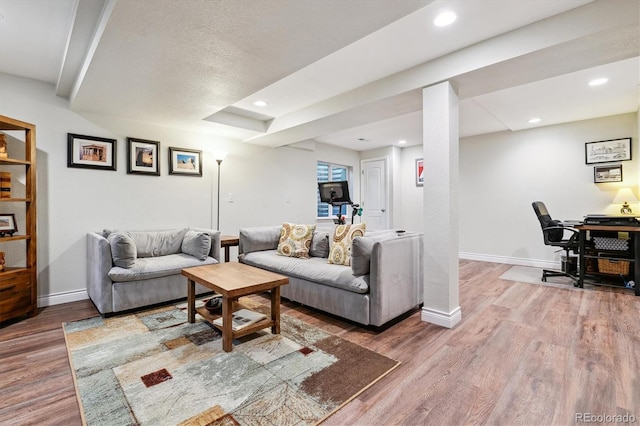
545,38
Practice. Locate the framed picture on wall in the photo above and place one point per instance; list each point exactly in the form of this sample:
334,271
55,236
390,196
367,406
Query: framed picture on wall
184,161
419,172
607,151
91,152
143,157
607,173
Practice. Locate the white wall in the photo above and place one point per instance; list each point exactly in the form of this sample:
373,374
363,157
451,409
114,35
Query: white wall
501,174
269,185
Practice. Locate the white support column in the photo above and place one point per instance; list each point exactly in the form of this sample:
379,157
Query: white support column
440,147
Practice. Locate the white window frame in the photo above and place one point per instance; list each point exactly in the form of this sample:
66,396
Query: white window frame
345,211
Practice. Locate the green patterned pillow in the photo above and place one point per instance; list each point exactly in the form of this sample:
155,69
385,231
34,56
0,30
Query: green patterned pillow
340,243
295,240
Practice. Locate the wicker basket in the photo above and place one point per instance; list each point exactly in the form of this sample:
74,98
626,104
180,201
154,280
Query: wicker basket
613,266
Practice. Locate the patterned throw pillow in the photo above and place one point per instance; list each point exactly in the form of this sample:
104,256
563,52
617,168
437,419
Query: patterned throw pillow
295,240
340,243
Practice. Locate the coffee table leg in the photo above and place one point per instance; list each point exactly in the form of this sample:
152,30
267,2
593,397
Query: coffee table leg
191,300
275,310
227,330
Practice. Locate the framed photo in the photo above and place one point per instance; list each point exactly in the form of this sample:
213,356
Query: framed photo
8,224
419,172
607,151
184,161
91,152
143,157
607,173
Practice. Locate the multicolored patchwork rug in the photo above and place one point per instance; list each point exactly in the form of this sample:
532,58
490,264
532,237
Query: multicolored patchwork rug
155,368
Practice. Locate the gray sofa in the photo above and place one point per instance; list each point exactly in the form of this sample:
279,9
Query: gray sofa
384,281
132,269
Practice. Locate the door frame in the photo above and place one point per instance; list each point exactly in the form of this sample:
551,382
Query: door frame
387,187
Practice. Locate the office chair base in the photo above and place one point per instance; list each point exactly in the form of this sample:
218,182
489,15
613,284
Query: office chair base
548,273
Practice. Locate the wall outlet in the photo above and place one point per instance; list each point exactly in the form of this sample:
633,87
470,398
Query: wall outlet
231,197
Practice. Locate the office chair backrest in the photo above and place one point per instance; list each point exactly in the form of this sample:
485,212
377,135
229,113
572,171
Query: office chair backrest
550,235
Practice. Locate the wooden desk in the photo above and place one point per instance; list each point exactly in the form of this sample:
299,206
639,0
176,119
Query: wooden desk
634,233
226,242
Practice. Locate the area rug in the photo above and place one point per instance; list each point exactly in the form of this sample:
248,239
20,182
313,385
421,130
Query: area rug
155,368
531,275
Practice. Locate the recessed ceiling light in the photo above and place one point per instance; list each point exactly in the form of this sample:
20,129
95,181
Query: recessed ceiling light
402,141
444,19
534,120
598,81
260,103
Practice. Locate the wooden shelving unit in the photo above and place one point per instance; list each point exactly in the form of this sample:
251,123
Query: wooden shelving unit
18,284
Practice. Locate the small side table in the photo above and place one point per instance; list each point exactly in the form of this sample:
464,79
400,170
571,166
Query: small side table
228,241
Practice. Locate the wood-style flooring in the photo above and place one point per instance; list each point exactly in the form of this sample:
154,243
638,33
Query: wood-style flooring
523,354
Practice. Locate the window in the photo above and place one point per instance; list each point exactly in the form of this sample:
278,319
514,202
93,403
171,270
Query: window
328,172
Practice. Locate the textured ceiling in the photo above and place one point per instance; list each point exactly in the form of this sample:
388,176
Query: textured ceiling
331,71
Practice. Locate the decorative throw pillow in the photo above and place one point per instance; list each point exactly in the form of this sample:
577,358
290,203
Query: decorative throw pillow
340,243
295,240
123,250
196,244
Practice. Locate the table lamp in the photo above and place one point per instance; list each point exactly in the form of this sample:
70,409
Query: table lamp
624,196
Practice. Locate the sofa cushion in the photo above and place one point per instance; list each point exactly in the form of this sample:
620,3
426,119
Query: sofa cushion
259,238
361,250
196,244
158,243
123,249
340,243
314,269
320,243
295,240
155,267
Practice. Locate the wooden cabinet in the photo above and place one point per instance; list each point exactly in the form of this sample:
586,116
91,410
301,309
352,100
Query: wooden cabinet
18,280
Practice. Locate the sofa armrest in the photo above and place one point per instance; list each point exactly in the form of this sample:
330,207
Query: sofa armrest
99,263
258,239
396,277
215,242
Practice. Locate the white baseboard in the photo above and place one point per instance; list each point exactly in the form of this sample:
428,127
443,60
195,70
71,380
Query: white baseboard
59,298
545,264
443,319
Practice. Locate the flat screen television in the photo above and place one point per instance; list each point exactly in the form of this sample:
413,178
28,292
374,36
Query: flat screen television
335,193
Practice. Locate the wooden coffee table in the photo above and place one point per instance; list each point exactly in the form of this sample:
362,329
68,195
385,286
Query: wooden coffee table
233,280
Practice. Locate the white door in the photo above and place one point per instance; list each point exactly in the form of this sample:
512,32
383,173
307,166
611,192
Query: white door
374,194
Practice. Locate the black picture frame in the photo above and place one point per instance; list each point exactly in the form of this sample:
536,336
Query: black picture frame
603,174
8,224
143,157
186,162
608,151
91,152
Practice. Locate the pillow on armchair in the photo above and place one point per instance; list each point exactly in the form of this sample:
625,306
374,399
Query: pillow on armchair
123,249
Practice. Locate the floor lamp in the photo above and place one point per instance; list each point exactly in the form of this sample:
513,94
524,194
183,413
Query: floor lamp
219,157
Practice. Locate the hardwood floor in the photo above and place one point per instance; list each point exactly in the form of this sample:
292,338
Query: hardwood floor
523,354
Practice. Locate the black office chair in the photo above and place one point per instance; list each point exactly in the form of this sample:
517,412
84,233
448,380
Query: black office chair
553,234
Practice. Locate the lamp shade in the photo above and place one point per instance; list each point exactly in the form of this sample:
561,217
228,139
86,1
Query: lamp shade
625,195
